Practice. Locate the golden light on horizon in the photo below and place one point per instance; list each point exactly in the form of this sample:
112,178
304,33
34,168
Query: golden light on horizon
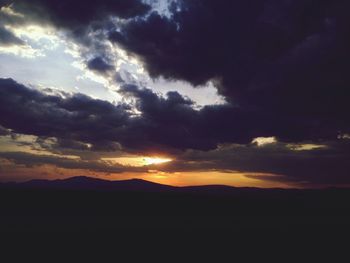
138,161
155,160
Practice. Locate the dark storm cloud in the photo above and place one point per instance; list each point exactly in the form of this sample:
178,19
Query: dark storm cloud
7,38
172,121
282,63
77,117
168,123
215,124
100,65
165,123
285,60
78,13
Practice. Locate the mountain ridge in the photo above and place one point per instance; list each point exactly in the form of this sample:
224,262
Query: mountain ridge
92,183
135,184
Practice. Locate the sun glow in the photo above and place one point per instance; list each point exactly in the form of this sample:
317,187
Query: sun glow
138,161
155,160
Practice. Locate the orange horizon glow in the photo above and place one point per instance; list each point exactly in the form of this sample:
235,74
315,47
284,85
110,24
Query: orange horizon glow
178,179
138,161
155,160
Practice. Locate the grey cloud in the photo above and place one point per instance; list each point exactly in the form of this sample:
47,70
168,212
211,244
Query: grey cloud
4,131
32,160
75,14
100,65
323,166
7,38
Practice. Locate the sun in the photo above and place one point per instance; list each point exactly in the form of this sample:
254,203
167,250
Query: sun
155,160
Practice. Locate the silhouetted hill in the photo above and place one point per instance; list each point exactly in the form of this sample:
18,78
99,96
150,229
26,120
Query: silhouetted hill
95,184
83,203
139,185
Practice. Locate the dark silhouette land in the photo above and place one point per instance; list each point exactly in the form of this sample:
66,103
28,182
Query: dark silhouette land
88,204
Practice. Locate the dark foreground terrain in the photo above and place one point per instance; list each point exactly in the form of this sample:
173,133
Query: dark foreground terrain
85,204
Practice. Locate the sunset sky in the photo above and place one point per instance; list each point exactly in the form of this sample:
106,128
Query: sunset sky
182,92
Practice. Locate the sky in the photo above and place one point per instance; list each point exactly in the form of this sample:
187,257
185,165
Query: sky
247,93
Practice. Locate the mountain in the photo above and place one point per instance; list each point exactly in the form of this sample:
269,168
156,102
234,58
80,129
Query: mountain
95,184
91,204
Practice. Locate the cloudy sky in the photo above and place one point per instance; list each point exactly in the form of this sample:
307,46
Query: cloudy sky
180,92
